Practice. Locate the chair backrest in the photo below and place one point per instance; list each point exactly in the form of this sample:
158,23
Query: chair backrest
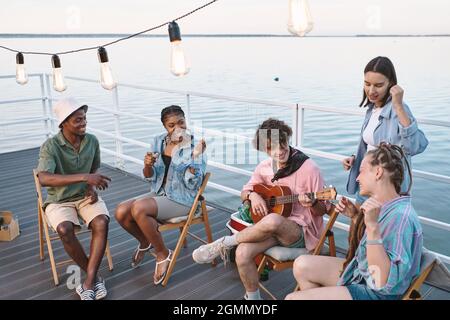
427,263
439,275
203,186
199,194
433,271
333,216
38,189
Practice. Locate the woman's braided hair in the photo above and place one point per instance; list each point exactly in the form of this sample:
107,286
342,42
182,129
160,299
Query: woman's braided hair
392,159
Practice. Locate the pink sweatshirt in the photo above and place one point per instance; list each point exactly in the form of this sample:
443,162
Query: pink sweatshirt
306,179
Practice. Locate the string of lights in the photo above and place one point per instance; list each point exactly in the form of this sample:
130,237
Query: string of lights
115,41
300,23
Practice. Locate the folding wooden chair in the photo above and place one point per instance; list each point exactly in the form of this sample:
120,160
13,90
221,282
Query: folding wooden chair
279,258
50,235
433,271
184,223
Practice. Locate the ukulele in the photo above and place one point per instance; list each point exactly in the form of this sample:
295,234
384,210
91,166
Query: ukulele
279,199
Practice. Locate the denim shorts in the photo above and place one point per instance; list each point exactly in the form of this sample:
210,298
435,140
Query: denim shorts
363,292
300,243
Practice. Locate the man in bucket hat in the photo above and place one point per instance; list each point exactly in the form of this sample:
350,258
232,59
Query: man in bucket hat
68,163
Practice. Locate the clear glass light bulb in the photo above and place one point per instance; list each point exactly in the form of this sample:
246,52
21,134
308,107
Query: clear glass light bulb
179,65
106,76
58,80
21,75
300,19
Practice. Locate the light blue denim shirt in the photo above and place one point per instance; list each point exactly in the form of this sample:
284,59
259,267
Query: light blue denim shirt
181,185
402,238
389,129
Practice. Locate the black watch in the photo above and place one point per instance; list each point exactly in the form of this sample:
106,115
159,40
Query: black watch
248,195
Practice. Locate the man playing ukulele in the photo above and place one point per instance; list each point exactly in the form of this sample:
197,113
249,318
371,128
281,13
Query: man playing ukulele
285,166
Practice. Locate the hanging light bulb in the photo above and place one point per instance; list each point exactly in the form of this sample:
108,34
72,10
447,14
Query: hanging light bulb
58,79
21,75
300,19
106,76
178,62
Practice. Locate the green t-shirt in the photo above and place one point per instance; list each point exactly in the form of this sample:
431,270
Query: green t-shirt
58,156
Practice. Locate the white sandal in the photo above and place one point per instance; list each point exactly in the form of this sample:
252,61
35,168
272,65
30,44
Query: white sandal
168,259
135,264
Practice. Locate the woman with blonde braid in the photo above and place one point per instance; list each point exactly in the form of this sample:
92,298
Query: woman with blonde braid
385,243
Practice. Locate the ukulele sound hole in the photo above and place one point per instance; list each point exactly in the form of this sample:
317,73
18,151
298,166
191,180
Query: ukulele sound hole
272,202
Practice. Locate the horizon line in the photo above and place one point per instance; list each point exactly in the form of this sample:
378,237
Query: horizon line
219,35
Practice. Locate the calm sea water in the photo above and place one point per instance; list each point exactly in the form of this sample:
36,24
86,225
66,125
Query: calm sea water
315,71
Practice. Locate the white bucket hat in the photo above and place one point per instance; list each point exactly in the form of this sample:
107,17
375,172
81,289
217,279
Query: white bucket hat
65,107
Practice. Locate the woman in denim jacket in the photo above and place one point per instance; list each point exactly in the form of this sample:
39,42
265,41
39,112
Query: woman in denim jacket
175,169
388,119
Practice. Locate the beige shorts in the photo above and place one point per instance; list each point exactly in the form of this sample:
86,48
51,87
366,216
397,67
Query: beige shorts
167,209
57,213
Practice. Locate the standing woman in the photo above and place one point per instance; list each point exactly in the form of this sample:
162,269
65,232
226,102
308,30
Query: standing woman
388,119
175,169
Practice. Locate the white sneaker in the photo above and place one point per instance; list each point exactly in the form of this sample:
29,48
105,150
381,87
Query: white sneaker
208,252
85,294
100,289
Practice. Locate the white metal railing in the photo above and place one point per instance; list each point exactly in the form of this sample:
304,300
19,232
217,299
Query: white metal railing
298,111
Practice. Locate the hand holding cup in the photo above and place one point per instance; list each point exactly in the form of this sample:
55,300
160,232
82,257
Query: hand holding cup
150,158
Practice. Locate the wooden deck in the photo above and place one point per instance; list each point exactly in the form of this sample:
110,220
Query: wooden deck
24,276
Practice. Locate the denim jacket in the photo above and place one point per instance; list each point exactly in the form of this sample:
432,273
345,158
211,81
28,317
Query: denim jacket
389,129
181,185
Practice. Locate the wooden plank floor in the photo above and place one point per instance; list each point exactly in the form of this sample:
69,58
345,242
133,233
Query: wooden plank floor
24,276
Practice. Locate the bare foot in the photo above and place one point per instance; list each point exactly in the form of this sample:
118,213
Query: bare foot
161,268
139,255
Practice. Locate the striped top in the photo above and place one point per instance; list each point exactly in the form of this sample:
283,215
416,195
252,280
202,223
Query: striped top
402,238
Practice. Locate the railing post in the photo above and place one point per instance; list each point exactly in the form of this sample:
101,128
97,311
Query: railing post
49,102
295,124
188,110
301,124
44,106
119,163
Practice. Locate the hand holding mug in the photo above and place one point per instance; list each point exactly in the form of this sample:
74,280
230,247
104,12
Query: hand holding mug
150,158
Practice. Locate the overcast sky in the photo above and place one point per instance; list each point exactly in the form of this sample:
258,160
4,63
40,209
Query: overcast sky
331,17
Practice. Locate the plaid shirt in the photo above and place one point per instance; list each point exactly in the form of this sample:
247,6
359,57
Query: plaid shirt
402,238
